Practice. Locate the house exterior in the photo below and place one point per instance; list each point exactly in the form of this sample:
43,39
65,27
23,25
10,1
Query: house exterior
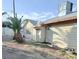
7,32
40,33
30,34
60,31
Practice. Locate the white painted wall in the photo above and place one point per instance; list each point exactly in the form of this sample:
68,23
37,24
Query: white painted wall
40,35
27,37
49,35
65,35
7,34
7,31
30,31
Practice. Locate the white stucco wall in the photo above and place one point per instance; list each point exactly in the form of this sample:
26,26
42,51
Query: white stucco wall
49,35
7,34
7,31
40,35
30,30
65,35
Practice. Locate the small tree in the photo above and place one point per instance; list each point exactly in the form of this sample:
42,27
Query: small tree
16,26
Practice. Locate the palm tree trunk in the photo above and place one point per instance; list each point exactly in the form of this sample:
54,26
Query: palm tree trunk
14,36
18,37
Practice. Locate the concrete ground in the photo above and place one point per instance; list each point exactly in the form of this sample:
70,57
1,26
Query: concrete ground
10,53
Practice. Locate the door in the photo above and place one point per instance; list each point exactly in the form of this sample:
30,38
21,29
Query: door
49,35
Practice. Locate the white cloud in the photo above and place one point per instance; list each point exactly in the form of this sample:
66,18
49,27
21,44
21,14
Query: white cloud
38,16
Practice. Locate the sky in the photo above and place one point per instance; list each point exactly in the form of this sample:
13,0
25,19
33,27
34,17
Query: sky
39,10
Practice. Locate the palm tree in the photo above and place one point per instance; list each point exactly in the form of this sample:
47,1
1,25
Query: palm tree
16,26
